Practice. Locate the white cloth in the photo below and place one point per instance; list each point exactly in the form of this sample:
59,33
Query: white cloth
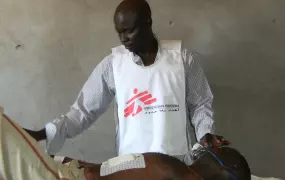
21,157
263,178
151,102
121,163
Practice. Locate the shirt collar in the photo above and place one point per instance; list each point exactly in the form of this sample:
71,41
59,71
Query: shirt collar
138,60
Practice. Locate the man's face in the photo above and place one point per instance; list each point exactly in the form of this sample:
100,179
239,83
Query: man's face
131,32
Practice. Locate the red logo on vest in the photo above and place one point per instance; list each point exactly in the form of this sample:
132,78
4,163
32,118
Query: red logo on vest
143,97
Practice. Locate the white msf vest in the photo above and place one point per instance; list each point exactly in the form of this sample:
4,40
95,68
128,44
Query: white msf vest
151,102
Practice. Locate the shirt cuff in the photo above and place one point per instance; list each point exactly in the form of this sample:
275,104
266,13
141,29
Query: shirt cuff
55,137
204,129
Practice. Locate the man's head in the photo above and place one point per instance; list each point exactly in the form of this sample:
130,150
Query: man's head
223,163
133,24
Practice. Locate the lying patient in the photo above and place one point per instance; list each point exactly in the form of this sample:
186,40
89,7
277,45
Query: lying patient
22,158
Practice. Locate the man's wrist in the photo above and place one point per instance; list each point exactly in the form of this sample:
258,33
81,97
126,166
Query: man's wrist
37,135
42,134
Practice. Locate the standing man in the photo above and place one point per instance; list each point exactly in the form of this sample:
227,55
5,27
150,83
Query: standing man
159,88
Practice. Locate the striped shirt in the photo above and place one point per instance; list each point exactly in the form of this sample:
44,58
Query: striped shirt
99,90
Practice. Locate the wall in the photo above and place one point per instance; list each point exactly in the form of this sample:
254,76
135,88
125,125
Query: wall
48,49
254,123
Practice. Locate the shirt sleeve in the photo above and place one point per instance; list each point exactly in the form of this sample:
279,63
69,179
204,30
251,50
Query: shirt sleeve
199,97
93,100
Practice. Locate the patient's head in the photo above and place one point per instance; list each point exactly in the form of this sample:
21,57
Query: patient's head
234,162
223,163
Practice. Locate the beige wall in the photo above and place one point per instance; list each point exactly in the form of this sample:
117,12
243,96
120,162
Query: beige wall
48,49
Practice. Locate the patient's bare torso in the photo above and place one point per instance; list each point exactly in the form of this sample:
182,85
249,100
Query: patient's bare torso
157,167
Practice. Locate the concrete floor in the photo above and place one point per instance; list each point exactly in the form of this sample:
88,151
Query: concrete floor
49,48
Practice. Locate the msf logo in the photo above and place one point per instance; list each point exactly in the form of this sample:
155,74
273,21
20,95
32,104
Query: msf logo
143,97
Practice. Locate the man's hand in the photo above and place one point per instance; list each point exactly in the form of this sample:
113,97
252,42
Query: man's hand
213,141
37,135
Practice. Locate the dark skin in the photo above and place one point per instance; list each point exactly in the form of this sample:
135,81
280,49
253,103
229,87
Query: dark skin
210,140
133,24
161,166
37,135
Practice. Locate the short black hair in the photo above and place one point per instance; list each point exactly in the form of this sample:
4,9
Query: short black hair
140,7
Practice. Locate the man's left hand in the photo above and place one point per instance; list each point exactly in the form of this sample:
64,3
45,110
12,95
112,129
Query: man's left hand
213,141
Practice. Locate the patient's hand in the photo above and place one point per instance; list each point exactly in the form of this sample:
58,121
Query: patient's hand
37,135
213,141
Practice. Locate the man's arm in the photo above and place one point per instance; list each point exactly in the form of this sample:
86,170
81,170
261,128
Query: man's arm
92,101
199,97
